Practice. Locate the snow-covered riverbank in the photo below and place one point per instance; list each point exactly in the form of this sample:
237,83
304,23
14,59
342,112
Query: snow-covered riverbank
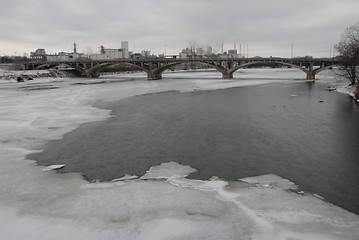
348,90
23,75
163,204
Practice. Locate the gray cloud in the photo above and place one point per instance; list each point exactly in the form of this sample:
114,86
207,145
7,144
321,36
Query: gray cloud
267,27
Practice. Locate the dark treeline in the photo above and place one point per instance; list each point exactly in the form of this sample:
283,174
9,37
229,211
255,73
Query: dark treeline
11,59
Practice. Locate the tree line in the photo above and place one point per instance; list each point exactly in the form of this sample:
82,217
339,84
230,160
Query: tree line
348,49
7,59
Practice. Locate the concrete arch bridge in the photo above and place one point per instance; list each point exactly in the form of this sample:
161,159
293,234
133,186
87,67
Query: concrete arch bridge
154,67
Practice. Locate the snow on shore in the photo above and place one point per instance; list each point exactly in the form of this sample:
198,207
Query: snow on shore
348,90
36,204
13,76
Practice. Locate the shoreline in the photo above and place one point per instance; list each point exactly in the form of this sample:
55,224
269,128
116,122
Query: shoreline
29,75
350,90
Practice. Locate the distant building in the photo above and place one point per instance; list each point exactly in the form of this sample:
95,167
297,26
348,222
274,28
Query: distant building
209,51
187,53
38,55
200,52
63,56
195,53
146,53
125,50
136,56
233,53
108,53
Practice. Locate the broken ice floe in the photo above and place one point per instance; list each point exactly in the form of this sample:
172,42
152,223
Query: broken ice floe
124,178
271,180
168,170
53,167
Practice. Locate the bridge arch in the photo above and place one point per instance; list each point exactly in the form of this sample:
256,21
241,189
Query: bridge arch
318,70
46,66
309,72
154,67
154,71
95,70
157,72
277,62
228,73
79,69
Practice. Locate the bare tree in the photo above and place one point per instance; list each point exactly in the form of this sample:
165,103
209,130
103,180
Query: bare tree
348,49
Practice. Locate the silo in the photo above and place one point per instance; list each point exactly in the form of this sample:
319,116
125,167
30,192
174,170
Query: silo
124,47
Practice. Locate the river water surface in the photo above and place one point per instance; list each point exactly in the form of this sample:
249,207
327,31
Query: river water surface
298,131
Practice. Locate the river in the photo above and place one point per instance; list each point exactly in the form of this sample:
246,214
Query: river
299,131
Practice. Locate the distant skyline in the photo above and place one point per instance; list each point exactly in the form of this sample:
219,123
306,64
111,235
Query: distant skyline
267,28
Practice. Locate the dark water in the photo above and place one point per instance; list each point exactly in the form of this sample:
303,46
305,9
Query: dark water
310,138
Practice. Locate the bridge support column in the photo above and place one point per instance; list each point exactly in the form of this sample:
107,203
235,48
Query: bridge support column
310,76
227,75
310,73
84,75
95,75
90,74
154,75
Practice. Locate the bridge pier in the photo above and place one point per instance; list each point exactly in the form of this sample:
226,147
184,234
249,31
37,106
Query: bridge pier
90,74
154,75
310,73
310,76
227,75
95,75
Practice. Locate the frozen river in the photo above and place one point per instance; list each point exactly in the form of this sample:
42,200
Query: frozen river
273,123
299,131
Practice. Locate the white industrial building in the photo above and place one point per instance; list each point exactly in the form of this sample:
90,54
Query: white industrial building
124,47
108,53
104,54
62,56
232,53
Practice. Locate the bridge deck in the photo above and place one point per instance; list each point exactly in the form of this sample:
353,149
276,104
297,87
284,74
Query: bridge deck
155,66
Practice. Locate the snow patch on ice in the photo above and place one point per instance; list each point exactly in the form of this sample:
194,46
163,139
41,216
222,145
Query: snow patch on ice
211,185
318,196
168,170
124,178
271,180
53,167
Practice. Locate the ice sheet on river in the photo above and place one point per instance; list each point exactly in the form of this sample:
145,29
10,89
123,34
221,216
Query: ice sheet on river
174,209
43,205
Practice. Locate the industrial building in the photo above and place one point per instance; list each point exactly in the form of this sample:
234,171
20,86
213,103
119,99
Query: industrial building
38,55
108,53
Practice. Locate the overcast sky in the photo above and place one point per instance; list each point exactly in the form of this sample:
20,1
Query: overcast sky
267,27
